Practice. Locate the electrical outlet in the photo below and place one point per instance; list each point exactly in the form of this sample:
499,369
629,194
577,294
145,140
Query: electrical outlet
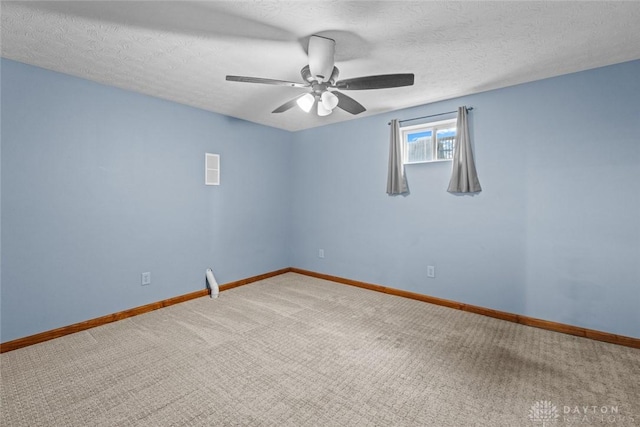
320,253
146,278
431,271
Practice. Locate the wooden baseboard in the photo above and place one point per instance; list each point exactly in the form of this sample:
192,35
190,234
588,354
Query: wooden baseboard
92,323
516,318
242,282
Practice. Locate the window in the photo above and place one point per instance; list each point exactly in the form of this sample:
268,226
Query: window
428,142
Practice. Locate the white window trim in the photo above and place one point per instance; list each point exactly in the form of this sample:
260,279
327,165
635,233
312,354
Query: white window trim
425,126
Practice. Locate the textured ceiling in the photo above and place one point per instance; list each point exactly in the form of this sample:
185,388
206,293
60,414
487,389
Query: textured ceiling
182,50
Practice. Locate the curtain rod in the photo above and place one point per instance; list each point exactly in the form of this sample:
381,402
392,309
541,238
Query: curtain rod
432,115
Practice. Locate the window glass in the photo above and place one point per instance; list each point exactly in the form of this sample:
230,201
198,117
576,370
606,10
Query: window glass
445,139
419,146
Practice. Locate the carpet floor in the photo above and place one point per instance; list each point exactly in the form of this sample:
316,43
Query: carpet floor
298,351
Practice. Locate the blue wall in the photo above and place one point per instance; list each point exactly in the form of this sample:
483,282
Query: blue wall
554,235
100,185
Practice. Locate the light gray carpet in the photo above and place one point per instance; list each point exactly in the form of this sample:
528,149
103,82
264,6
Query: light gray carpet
298,351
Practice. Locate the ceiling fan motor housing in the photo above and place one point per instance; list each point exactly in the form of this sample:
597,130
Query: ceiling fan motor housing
308,77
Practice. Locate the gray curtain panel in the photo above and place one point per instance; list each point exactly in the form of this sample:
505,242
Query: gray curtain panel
396,180
464,178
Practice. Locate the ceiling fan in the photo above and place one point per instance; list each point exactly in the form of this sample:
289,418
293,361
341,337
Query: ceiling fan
321,76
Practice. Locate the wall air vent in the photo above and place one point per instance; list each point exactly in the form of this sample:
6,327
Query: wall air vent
211,169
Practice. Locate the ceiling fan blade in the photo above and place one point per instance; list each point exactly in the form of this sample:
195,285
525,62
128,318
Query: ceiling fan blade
348,104
321,57
383,81
288,105
244,79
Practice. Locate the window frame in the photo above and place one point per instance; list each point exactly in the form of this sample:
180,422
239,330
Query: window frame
434,127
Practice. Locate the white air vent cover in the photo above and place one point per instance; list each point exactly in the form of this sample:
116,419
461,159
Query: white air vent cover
211,169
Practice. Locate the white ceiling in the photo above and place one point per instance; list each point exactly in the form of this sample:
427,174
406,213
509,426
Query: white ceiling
182,50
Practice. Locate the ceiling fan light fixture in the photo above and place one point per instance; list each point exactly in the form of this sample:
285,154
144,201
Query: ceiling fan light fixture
323,110
306,102
329,100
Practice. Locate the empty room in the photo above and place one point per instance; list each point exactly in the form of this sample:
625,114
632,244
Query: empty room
329,213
